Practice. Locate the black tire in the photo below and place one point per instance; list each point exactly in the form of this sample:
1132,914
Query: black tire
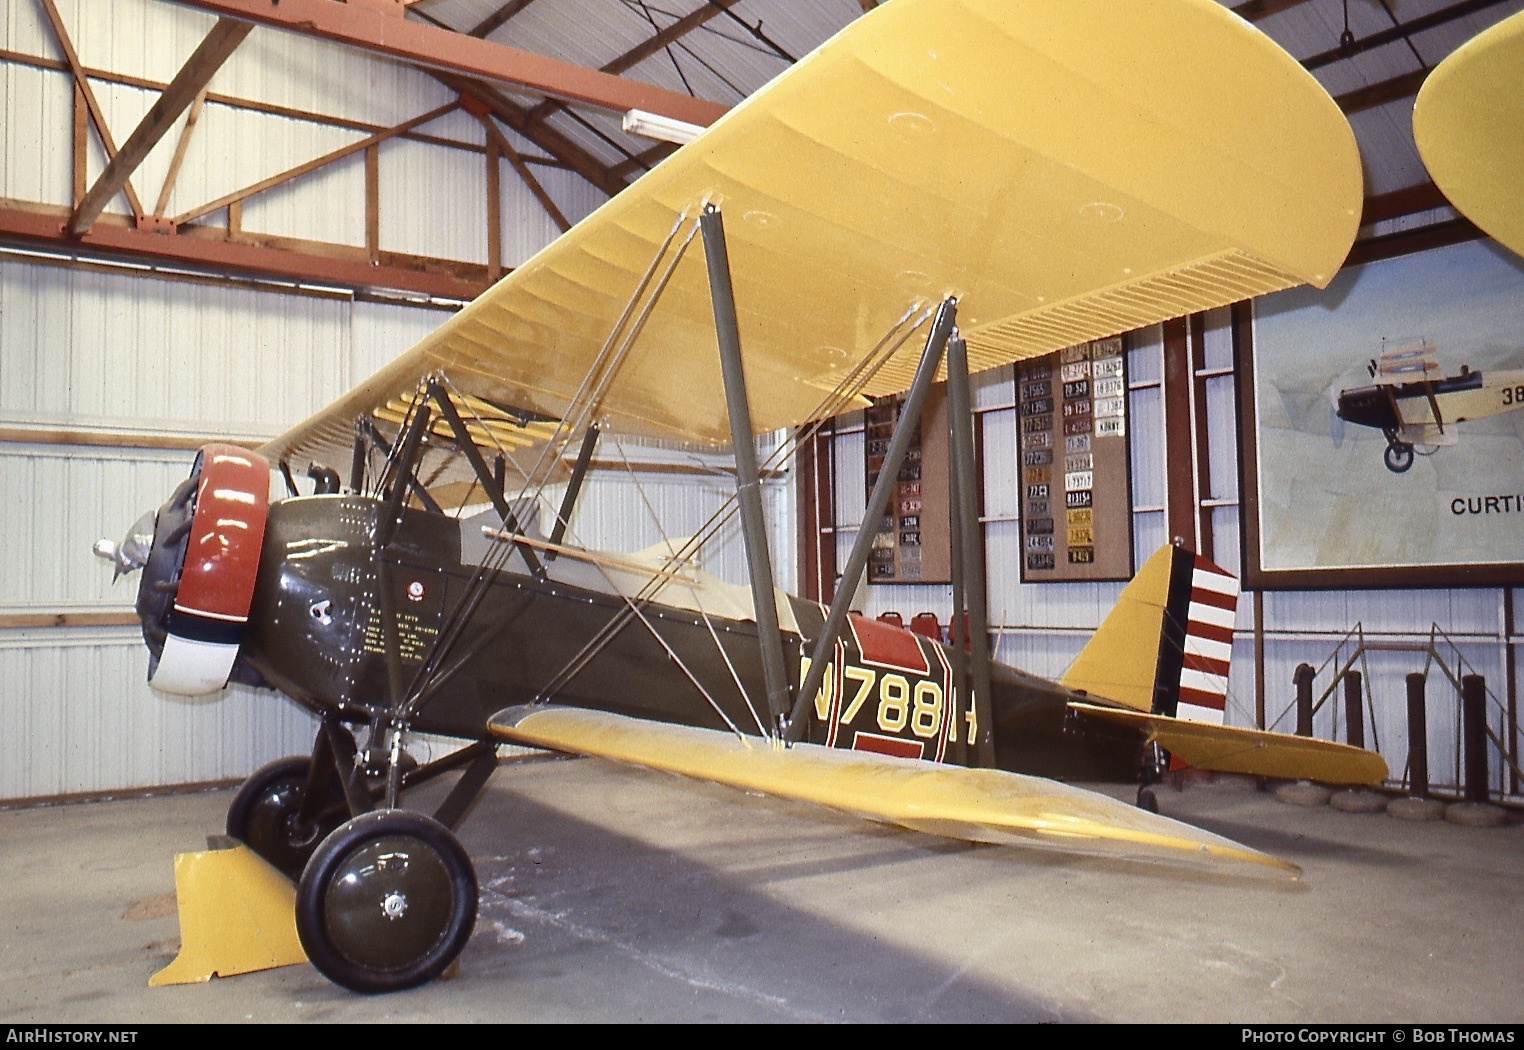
1398,457
263,815
387,902
1147,800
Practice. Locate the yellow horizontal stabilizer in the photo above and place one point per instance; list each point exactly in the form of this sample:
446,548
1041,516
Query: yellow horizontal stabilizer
1069,169
237,915
1232,749
1468,122
976,805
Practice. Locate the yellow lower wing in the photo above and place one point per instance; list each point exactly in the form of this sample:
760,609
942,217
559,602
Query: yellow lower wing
1231,749
977,805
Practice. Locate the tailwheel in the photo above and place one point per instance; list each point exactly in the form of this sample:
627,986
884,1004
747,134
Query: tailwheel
269,817
1152,767
387,902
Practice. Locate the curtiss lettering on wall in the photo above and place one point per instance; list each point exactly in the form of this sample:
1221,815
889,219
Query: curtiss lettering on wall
1505,504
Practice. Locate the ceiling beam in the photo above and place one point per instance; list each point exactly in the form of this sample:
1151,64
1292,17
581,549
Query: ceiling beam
441,49
314,164
1254,10
1401,31
1380,93
1397,204
197,72
498,18
82,85
644,50
212,250
546,137
1407,242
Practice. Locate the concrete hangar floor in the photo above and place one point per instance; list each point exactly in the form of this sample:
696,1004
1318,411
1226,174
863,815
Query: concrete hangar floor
612,894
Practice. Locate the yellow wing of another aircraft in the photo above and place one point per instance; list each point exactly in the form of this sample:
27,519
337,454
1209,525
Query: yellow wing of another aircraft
1467,121
976,805
1068,169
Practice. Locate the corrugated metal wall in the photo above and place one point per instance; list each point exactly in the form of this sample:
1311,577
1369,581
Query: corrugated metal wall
84,352
101,356
296,99
92,351
119,354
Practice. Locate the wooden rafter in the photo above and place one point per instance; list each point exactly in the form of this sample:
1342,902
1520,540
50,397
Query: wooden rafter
643,161
546,137
312,165
535,187
191,119
246,105
82,84
193,77
1254,10
498,18
419,43
211,249
1401,31
1380,93
1409,200
646,48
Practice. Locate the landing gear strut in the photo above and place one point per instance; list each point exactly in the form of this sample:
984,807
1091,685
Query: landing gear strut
272,815
1155,763
385,897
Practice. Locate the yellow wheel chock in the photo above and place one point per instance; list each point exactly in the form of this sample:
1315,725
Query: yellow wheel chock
237,915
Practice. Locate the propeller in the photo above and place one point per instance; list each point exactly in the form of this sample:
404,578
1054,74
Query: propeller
1335,420
131,554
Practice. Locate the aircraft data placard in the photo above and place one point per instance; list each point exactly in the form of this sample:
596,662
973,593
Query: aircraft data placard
1076,490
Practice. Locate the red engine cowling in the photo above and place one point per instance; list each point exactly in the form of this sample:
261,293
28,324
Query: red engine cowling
199,580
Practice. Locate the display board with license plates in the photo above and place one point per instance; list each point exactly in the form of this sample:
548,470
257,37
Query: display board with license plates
1076,490
911,544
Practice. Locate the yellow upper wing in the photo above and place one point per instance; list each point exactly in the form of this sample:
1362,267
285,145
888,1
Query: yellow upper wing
1468,121
1069,169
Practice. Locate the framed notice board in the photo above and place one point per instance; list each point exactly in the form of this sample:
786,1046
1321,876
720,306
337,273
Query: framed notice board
1076,481
912,543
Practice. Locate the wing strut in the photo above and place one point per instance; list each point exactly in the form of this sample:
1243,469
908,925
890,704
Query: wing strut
574,486
473,455
878,502
968,560
748,480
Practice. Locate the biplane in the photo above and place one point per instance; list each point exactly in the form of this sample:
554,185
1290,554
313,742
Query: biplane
1418,408
942,187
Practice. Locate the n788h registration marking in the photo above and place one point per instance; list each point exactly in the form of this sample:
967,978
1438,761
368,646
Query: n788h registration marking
889,692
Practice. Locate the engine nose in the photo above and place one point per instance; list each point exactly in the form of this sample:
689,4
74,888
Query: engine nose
198,579
1368,406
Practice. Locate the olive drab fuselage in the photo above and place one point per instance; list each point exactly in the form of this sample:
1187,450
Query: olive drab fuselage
340,624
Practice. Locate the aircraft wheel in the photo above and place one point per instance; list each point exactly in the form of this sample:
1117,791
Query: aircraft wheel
387,902
1147,800
1399,457
263,815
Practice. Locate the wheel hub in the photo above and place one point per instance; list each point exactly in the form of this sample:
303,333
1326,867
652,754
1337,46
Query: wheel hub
394,905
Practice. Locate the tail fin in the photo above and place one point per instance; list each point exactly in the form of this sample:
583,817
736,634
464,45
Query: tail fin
1165,647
